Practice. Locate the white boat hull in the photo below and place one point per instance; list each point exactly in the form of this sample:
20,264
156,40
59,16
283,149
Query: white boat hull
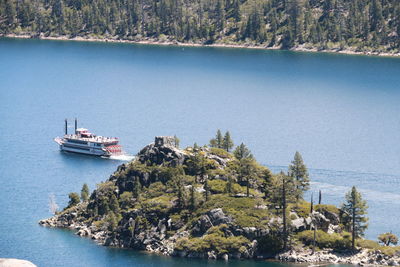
86,151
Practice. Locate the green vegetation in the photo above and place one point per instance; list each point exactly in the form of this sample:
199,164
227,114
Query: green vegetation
215,200
299,171
388,239
242,152
227,144
217,142
375,246
362,25
85,192
243,210
215,240
355,210
224,142
73,199
325,240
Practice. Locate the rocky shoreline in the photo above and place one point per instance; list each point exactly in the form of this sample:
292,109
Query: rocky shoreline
166,42
363,257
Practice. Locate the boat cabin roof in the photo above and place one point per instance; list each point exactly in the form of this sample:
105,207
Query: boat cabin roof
81,130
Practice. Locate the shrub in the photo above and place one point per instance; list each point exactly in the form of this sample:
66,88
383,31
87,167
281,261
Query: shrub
217,186
302,209
325,240
222,153
327,208
390,251
159,205
369,244
125,199
375,246
99,224
272,243
243,210
214,240
155,190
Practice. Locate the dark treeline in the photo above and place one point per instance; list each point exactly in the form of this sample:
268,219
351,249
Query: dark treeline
361,24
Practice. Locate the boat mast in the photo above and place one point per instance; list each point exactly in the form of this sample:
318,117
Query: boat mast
66,127
76,125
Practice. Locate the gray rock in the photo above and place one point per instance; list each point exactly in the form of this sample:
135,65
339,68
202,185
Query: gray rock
332,217
212,255
308,221
321,221
250,232
162,152
217,216
225,257
299,224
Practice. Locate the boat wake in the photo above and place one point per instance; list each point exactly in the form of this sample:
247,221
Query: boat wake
123,157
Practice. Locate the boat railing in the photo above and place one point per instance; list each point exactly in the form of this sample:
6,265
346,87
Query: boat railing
101,139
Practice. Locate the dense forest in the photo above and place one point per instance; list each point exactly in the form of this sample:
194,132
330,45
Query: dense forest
362,25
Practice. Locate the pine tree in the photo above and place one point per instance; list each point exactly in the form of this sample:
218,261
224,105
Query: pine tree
356,209
137,187
10,13
112,221
242,152
281,192
206,189
299,171
114,204
85,192
388,238
180,192
227,142
288,39
236,10
192,197
246,172
287,190
229,185
73,199
218,140
267,177
319,197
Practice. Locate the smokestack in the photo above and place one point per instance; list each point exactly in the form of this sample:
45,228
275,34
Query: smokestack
66,126
76,125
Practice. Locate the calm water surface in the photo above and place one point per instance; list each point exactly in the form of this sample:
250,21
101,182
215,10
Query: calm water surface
340,112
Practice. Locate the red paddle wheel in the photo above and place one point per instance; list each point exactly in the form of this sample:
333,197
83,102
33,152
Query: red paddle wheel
114,149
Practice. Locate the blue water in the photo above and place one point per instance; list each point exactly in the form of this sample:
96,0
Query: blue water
341,112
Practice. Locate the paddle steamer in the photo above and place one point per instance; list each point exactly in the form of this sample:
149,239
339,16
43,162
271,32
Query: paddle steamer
84,142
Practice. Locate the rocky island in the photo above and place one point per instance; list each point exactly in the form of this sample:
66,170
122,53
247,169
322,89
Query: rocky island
205,202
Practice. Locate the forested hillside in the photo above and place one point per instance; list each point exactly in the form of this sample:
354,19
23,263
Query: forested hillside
362,25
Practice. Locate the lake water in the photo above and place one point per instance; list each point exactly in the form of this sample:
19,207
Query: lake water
341,112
